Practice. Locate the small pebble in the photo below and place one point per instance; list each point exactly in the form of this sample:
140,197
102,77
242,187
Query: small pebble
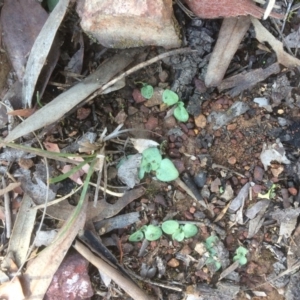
173,263
200,179
152,123
293,191
200,121
258,173
232,160
137,96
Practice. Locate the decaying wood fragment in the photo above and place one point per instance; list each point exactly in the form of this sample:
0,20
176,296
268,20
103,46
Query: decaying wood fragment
230,37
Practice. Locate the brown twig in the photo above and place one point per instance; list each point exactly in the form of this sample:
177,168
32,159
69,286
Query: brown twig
138,67
7,211
127,285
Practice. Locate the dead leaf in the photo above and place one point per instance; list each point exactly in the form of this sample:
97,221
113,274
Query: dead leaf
21,235
11,290
67,100
230,36
241,82
103,210
239,200
287,218
110,210
129,169
41,270
229,270
263,35
26,112
21,23
116,222
40,50
273,152
9,188
53,147
142,144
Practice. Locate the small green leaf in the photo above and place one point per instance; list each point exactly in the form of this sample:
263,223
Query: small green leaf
189,230
242,251
170,226
147,91
211,261
169,97
136,236
166,171
243,260
152,157
153,233
178,235
211,241
180,113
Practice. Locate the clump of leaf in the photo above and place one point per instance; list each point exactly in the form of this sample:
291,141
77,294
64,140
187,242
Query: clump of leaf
170,98
150,232
212,260
179,233
153,161
240,255
171,227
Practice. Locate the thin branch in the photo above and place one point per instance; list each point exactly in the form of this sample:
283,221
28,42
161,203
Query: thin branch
138,67
7,211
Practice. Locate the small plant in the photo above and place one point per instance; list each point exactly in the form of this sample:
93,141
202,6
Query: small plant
153,161
171,227
169,98
147,90
270,194
210,244
240,255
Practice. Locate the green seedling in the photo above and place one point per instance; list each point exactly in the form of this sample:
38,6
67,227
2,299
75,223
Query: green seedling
152,161
240,255
147,90
171,227
166,171
210,244
170,98
180,113
270,194
150,232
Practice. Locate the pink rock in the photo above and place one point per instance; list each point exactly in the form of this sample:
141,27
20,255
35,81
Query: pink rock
130,23
211,9
71,281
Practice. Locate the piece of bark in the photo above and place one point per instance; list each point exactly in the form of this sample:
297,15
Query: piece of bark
263,35
230,37
212,9
241,82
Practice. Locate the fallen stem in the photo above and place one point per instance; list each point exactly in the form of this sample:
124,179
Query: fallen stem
126,284
138,67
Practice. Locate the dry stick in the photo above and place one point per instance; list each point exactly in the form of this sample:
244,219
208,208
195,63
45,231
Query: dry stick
138,67
126,284
7,211
225,168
